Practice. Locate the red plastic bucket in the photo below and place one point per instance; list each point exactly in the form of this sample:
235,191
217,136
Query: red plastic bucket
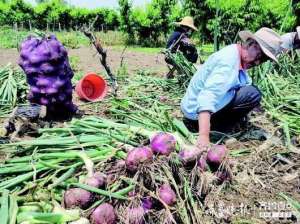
91,87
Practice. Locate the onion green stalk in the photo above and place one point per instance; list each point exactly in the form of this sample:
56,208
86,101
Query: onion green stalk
4,211
99,191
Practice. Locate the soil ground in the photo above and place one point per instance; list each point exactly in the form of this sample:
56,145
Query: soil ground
89,62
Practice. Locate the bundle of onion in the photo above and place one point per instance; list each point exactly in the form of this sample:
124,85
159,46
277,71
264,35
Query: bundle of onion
46,65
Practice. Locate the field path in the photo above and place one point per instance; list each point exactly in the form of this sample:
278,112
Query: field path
89,62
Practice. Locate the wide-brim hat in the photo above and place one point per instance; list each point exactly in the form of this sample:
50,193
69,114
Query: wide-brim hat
187,21
268,40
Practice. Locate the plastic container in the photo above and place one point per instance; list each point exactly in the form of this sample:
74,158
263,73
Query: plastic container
91,87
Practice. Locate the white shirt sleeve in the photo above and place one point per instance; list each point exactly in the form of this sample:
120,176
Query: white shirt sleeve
288,40
215,87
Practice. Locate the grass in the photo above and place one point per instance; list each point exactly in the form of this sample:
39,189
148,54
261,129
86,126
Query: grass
10,38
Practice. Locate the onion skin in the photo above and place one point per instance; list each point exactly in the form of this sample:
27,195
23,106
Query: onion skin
77,197
166,194
132,194
135,215
216,155
80,221
104,214
137,156
222,176
163,143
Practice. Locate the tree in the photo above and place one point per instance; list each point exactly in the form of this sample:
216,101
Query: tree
165,14
19,12
202,13
125,18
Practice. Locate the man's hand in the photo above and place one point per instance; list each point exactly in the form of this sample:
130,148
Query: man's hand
204,129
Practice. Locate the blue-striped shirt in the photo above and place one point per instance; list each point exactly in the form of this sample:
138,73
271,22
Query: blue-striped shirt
213,86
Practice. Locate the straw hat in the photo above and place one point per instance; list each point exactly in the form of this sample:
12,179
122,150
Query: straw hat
187,21
268,40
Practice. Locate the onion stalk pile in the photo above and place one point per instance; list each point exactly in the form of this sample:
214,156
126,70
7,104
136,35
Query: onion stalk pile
280,87
136,174
12,89
185,69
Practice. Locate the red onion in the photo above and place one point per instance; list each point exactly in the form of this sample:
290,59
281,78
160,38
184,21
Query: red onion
36,59
216,155
137,156
97,180
50,90
166,194
163,143
190,155
59,83
120,164
46,68
30,70
104,214
35,89
44,81
147,203
77,197
44,101
202,164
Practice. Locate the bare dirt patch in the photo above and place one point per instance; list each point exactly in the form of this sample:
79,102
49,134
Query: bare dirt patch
89,61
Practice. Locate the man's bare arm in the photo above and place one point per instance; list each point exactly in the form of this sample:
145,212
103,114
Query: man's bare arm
204,128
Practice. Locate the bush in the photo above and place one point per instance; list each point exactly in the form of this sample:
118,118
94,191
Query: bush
10,38
55,15
72,39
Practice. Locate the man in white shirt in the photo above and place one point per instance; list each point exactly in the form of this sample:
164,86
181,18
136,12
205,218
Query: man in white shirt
220,92
291,41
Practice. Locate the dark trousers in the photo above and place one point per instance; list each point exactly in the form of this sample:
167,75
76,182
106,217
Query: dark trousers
245,99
